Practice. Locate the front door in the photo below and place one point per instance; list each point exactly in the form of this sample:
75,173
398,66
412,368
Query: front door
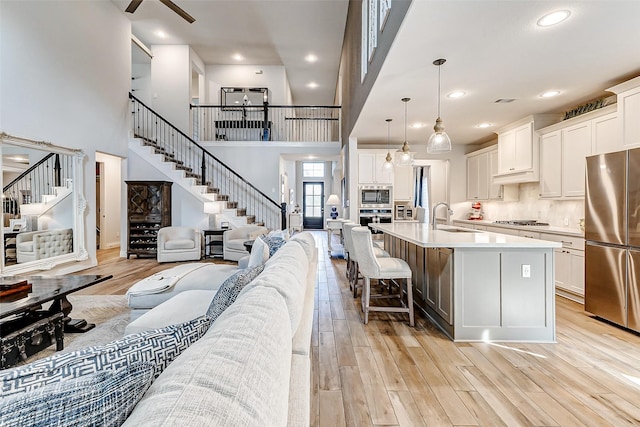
313,205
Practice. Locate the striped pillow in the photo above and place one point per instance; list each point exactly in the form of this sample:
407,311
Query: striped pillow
105,398
158,347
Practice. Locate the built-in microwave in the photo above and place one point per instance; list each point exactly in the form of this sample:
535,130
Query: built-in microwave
375,196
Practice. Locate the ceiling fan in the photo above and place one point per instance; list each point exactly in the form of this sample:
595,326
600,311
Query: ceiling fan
171,5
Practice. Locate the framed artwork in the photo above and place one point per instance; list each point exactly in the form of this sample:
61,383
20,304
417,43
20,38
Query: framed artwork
385,8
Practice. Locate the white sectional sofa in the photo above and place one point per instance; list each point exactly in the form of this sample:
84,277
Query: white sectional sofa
252,367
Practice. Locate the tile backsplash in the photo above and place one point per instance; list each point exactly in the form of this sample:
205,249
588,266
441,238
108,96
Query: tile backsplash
530,206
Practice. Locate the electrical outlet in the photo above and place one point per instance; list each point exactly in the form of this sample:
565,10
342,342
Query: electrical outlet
526,270
566,221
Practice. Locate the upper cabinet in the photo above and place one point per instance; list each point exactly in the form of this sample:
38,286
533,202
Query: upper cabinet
629,111
478,176
518,150
564,147
371,169
403,183
482,165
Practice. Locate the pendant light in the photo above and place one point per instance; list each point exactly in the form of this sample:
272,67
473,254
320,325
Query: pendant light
404,156
388,163
439,141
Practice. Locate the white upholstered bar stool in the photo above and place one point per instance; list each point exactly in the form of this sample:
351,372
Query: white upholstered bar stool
352,261
389,269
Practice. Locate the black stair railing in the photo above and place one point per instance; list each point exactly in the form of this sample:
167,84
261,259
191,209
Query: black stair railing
207,169
51,171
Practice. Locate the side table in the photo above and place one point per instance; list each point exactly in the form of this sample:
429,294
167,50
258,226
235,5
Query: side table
213,245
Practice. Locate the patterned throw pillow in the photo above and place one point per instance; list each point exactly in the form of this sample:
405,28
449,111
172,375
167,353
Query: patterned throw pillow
158,347
274,243
230,290
105,398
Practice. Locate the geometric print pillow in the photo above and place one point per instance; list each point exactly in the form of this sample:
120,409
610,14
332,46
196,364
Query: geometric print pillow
105,398
157,347
230,289
274,243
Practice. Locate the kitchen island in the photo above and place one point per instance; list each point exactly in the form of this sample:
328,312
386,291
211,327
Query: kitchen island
478,286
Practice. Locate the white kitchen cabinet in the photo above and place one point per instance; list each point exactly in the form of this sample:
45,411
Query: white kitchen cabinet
518,150
371,169
551,164
629,111
482,165
529,234
576,146
569,265
403,183
478,176
496,191
563,150
606,133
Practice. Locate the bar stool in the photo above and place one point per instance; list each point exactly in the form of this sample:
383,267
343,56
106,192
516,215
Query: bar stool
388,268
352,262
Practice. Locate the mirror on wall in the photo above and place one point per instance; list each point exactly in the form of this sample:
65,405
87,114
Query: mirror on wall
42,205
244,96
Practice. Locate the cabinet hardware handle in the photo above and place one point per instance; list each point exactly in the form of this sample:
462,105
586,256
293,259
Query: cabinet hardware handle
568,243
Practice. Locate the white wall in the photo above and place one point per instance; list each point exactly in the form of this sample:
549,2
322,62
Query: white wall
141,85
273,77
171,83
259,163
65,72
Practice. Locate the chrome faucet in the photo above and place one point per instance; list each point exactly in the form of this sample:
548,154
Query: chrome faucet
433,216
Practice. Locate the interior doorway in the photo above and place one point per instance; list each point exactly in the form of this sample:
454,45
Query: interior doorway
313,205
108,200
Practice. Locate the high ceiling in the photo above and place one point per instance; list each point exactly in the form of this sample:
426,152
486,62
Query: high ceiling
494,49
264,32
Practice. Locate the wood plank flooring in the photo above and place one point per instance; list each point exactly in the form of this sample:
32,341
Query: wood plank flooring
387,373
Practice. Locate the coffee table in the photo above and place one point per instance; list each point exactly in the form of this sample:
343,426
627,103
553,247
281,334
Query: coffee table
26,329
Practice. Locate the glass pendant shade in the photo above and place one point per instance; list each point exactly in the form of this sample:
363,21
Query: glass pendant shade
404,156
439,141
388,161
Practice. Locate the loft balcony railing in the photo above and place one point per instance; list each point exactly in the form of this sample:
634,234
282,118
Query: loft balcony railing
266,123
202,165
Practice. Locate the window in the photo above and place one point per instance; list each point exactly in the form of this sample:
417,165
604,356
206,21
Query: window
313,170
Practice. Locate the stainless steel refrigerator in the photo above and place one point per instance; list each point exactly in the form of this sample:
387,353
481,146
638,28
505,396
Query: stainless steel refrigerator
612,234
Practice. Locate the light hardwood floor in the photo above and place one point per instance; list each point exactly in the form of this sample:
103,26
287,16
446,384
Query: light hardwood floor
387,373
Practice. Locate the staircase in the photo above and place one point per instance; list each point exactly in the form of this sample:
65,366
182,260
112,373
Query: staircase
193,168
39,188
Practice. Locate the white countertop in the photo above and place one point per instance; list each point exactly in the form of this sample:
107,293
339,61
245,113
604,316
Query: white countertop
421,234
575,232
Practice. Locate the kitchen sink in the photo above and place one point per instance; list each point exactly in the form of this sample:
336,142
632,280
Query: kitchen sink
457,230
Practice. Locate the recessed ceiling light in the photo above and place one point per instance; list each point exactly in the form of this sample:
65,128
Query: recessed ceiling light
418,125
457,94
312,85
161,34
484,125
550,94
553,18
311,58
238,57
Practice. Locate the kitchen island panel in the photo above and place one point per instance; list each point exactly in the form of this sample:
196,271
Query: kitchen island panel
479,290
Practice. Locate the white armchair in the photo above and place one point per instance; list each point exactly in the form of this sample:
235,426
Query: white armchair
233,240
179,244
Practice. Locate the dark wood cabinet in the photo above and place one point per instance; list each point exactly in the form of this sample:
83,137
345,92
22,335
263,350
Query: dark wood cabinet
149,209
